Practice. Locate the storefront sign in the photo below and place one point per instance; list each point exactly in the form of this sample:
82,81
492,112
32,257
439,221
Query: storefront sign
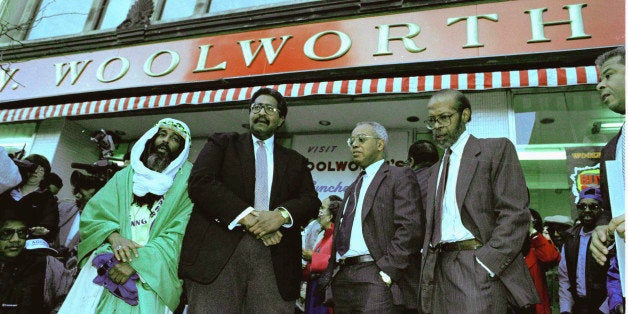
583,165
475,31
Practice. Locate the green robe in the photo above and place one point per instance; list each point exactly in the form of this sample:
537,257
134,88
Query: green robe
108,211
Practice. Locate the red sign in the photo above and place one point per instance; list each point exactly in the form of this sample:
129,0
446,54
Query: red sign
483,30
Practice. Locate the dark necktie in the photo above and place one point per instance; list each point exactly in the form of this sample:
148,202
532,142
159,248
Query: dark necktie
344,234
438,201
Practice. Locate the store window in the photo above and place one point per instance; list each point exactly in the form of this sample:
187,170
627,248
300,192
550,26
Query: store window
219,7
115,12
58,18
560,131
176,9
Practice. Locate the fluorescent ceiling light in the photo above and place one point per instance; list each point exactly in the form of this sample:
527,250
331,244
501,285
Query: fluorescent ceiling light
542,155
611,125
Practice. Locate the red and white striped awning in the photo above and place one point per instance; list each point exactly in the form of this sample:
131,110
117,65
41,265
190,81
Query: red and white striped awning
552,77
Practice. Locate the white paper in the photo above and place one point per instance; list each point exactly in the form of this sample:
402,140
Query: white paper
617,195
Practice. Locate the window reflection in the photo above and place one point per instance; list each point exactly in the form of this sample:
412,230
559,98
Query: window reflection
57,18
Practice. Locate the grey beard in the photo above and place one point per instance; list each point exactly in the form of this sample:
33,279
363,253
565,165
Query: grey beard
157,162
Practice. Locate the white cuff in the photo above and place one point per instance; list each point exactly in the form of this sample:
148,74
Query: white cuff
235,222
487,269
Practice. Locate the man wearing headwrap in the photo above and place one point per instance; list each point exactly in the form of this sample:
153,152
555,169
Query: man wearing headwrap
582,281
140,217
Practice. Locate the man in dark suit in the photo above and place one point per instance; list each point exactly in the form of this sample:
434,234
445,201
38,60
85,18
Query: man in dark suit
476,221
242,247
375,258
612,88
422,154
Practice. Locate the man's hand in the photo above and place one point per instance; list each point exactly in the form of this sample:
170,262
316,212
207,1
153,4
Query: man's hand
272,238
598,244
306,255
123,247
248,220
617,224
121,272
267,222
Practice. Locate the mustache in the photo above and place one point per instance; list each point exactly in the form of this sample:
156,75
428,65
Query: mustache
165,146
261,118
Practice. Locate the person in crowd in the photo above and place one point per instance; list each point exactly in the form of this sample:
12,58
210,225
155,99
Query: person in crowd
477,218
85,186
319,256
9,172
422,154
249,193
612,88
375,260
54,183
22,274
616,298
33,197
312,235
540,254
131,230
557,226
582,281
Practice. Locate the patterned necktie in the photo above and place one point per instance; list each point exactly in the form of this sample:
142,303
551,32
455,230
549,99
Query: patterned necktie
438,201
344,234
261,178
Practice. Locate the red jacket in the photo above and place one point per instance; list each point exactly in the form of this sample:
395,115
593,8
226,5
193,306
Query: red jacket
322,252
542,255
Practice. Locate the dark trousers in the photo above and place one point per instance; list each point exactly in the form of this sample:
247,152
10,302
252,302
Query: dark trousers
360,289
454,282
246,284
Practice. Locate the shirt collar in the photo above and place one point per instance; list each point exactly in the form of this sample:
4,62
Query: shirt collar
372,168
459,145
269,142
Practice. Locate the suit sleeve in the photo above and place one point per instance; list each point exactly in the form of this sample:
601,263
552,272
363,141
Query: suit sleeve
206,189
510,207
408,224
304,203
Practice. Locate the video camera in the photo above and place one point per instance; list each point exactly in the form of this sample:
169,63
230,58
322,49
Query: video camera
102,168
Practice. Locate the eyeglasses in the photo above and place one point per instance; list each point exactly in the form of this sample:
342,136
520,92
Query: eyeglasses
591,207
443,120
361,138
256,108
6,234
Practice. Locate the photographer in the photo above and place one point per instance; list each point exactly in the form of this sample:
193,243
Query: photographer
9,172
85,186
34,199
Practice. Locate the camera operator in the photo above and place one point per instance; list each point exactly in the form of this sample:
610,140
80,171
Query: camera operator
85,186
33,198
9,172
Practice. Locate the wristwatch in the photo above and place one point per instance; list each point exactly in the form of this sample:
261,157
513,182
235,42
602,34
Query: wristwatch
285,214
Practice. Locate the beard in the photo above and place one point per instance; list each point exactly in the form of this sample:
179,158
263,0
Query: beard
451,138
158,161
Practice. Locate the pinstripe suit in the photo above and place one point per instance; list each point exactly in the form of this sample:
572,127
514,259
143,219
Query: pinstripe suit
493,203
392,226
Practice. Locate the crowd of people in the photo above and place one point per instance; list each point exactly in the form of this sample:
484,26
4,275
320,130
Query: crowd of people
237,232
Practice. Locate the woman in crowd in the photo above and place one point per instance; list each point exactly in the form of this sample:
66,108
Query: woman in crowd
33,198
320,257
540,255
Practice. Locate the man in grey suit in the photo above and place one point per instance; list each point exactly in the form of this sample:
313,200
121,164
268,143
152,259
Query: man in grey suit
476,220
375,258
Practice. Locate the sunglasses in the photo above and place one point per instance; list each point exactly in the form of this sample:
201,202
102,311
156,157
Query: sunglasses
591,207
7,234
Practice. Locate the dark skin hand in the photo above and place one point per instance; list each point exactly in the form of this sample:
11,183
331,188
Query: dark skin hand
121,272
253,219
128,248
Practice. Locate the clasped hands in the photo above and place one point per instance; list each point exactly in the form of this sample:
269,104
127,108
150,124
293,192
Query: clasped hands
124,250
264,225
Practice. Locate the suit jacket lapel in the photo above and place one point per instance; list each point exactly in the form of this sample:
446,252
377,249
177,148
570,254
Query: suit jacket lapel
431,193
468,163
279,171
247,164
369,196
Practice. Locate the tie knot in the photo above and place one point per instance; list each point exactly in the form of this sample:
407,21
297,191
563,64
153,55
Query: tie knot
448,151
260,143
362,173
